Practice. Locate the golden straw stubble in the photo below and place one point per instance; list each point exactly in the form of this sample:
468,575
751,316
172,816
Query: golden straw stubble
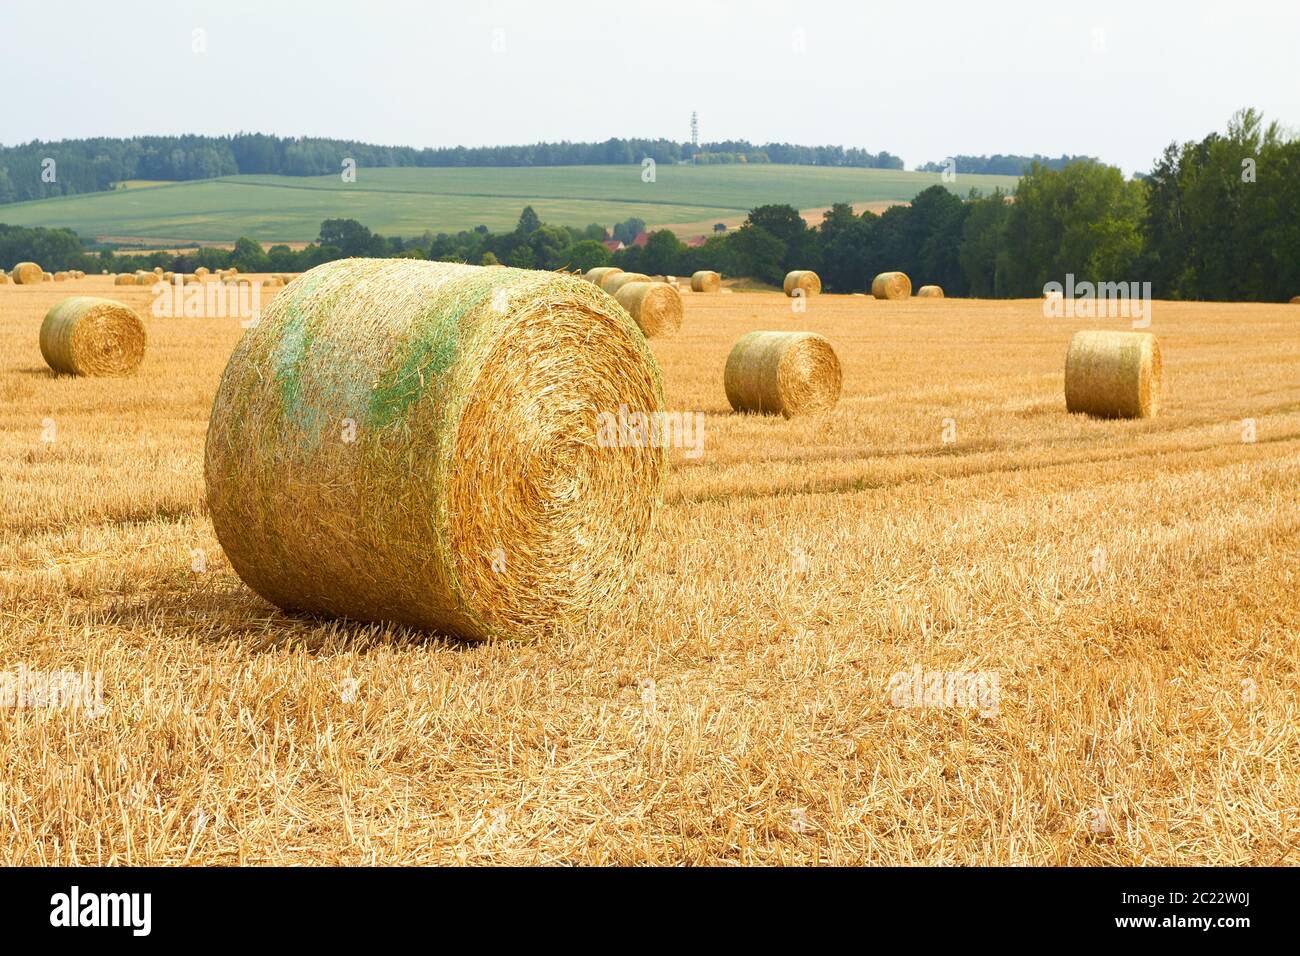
891,285
804,279
790,373
1113,374
656,307
89,336
419,442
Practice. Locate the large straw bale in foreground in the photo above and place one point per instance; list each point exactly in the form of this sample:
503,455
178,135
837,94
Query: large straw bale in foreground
1113,374
930,292
656,307
89,336
418,442
706,281
793,373
891,285
803,279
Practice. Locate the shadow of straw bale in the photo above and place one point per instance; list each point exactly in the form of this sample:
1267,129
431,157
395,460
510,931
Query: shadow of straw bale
230,613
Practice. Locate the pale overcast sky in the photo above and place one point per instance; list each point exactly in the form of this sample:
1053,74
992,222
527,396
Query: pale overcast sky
924,80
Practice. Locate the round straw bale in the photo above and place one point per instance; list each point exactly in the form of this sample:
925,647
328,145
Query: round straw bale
147,278
891,285
168,276
1113,374
706,281
1295,300
794,373
26,273
47,277
89,336
419,442
157,270
656,307
201,271
124,278
4,277
929,292
597,275
804,279
60,277
615,282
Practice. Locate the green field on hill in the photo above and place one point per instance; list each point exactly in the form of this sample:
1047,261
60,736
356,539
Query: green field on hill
406,201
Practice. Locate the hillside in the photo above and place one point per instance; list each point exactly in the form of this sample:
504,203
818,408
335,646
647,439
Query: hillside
407,201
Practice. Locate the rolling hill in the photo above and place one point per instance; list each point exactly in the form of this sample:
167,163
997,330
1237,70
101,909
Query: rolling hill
406,201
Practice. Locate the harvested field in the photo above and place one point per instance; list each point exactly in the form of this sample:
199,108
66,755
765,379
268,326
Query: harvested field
1134,585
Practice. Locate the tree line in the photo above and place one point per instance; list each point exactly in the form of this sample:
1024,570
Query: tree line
998,164
1215,219
95,165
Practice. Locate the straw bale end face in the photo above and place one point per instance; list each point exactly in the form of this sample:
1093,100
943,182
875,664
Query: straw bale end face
418,442
706,281
656,307
89,336
27,273
613,283
891,285
1112,374
805,281
598,275
789,373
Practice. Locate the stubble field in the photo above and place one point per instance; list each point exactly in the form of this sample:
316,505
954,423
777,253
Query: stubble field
1135,587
